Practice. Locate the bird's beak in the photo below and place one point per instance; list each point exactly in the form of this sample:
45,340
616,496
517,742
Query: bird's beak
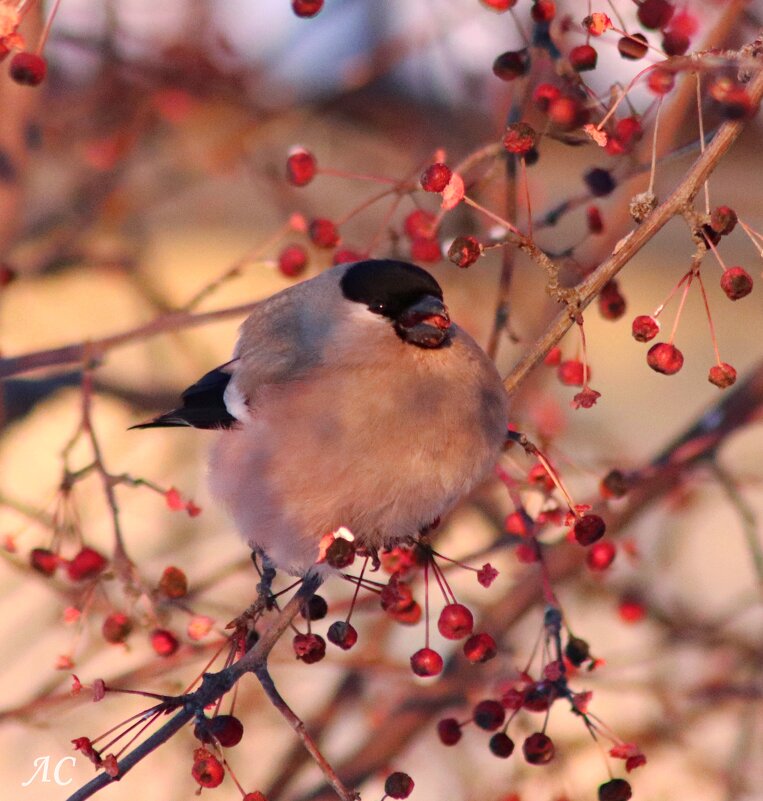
425,323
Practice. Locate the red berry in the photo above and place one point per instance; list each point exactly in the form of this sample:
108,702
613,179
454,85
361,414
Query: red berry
323,233
633,47
396,596
501,745
665,358
227,729
455,622
644,328
520,138
116,627
464,251
398,785
449,731
611,302
660,81
44,561
7,275
655,14
570,373
309,648
565,112
601,555
28,69
543,10
736,283
614,484
173,583
539,697
489,715
408,616
723,220
164,642
207,769
554,357
436,177
346,256
722,375
426,250
292,260
300,167
544,94
255,796
539,477
88,563
419,224
583,58
315,609
538,749
499,5
426,662
631,609
589,528
600,182
341,553
512,64
306,8
342,634
615,790
480,648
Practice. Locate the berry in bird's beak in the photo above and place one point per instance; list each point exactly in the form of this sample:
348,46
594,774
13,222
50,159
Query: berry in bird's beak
424,323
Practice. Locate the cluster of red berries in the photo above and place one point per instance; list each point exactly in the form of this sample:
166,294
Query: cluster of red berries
87,563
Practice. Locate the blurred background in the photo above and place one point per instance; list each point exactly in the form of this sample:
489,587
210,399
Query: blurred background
146,174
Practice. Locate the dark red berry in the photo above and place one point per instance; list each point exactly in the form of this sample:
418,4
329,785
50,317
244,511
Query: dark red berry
173,583
589,528
600,182
570,372
544,94
633,47
615,484
164,642
543,10
538,749
723,220
398,785
306,8
512,64
323,233
436,177
309,648
464,251
28,69
722,375
611,302
455,622
655,14
615,790
226,729
489,715
665,358
577,651
300,167
675,43
566,112
583,58
292,261
480,648
207,769
116,627
501,745
601,555
396,596
44,561
342,634
426,662
449,731
631,609
7,275
645,328
736,283
408,616
594,220
539,697
315,609
660,81
419,224
88,563
341,553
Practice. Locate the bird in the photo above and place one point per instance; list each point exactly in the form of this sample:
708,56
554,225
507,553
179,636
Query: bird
353,402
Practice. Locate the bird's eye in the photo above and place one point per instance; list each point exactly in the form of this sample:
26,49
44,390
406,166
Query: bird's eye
377,307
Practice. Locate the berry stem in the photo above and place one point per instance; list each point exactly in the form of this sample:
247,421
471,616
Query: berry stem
46,30
684,295
653,166
494,217
701,124
709,317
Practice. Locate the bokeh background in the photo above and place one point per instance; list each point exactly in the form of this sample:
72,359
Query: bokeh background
149,164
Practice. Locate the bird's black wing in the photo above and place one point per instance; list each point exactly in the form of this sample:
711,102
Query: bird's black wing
203,404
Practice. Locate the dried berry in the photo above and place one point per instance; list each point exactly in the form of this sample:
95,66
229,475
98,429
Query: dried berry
519,138
116,627
309,648
644,328
722,375
173,583
723,220
665,358
736,283
464,251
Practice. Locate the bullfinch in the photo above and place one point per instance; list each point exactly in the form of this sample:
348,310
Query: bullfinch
352,400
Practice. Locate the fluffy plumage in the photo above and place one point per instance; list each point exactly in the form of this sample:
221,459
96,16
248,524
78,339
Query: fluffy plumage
351,400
